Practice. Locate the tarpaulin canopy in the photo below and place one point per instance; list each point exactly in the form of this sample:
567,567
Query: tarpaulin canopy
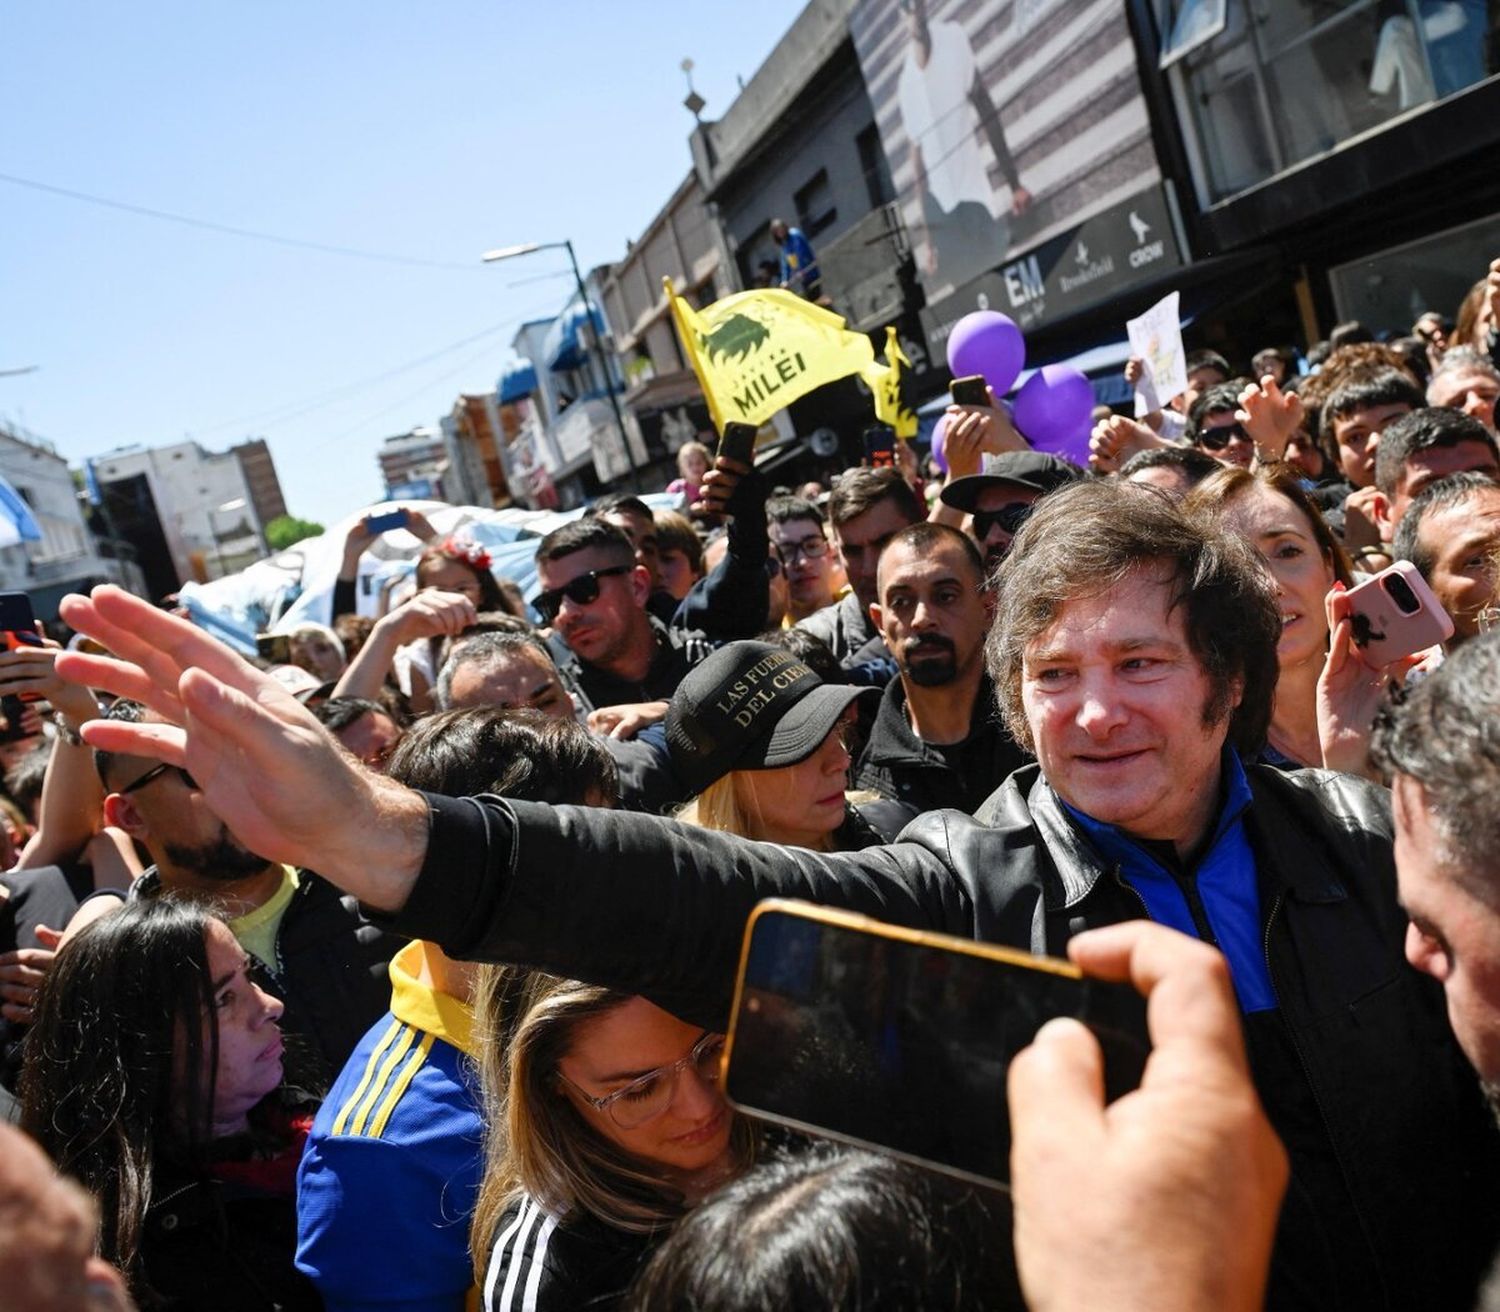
564,347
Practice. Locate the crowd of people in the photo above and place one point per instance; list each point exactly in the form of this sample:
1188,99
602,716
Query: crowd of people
392,970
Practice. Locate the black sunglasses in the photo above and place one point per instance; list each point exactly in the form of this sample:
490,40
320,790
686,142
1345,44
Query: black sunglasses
1216,439
157,770
1010,518
580,591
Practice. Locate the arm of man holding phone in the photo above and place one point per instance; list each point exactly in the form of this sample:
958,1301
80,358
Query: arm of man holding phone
625,900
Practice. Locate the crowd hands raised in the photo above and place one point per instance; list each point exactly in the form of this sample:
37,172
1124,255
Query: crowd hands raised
396,974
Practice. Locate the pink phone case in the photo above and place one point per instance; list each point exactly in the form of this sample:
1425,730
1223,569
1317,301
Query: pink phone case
1387,632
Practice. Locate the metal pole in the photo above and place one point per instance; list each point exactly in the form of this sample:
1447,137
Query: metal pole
609,378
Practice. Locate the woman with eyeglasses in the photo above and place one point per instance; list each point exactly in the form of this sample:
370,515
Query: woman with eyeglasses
762,743
607,1123
153,1076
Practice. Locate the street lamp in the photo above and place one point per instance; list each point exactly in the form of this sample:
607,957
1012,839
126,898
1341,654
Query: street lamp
238,503
526,248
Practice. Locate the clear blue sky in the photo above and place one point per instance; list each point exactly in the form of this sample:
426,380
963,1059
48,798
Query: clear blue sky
434,131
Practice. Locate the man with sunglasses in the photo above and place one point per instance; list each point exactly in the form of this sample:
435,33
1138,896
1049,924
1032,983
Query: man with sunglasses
1000,499
609,647
1214,427
308,943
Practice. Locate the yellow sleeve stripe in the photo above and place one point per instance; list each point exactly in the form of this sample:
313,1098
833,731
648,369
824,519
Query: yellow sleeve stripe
408,1073
341,1122
393,1058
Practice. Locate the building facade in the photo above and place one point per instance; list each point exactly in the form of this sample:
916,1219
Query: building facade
69,557
189,513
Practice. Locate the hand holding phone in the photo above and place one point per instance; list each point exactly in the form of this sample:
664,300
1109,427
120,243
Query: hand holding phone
1395,614
970,390
737,442
392,519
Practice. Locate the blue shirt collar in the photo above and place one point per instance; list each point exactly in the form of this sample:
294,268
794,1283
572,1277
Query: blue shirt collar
1233,783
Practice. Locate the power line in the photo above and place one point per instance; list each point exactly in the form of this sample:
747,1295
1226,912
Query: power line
400,401
209,225
275,415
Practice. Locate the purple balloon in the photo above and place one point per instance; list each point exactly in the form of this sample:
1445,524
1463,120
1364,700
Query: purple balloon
989,343
940,443
1052,411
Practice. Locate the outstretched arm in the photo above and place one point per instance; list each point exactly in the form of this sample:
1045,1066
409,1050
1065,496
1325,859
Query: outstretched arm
630,901
267,768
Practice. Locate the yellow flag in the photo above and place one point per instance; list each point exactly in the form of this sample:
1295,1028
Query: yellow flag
756,352
885,381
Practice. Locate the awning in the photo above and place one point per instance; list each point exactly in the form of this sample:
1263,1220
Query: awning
518,379
564,347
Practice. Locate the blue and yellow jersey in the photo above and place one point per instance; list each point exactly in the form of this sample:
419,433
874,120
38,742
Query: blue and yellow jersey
392,1166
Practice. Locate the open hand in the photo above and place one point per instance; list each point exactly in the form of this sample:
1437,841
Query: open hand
265,766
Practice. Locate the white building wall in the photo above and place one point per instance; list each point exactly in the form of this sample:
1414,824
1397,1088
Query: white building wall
191,486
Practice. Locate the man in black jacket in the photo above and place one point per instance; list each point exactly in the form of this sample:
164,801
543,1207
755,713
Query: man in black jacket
1134,653
937,740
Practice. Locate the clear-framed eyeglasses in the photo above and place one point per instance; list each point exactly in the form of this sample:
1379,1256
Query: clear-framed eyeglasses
646,1098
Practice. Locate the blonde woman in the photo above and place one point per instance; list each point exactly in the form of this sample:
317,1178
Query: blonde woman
760,740
606,1124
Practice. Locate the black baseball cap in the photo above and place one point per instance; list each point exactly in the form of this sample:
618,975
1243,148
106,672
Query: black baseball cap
750,706
1030,469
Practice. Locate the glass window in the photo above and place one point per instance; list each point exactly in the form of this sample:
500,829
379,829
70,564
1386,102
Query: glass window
1265,85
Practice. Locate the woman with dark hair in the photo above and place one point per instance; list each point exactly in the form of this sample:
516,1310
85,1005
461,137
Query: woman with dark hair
459,564
153,1076
1326,696
840,1230
606,1124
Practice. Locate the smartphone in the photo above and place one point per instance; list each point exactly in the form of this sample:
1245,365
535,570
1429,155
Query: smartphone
383,523
900,1039
274,647
1395,614
972,390
18,627
737,442
880,446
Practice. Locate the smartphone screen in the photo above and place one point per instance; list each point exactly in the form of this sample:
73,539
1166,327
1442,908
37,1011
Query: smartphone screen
737,442
971,390
274,647
901,1040
384,523
880,446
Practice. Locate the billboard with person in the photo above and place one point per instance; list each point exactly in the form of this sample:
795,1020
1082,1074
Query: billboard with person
1005,122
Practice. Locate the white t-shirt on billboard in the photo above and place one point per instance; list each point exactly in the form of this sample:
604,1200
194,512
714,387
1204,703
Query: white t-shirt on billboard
940,118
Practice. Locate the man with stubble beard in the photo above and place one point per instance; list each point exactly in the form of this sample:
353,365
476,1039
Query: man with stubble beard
308,943
937,740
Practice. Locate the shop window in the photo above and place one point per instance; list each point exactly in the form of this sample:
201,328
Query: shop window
815,207
1264,85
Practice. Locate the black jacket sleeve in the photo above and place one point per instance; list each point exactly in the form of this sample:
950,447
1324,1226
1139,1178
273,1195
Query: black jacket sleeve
731,603
641,904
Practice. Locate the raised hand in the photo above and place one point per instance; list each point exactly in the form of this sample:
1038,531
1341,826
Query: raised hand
1116,439
266,767
1271,417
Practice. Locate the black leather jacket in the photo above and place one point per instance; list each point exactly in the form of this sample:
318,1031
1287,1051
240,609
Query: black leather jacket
650,907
